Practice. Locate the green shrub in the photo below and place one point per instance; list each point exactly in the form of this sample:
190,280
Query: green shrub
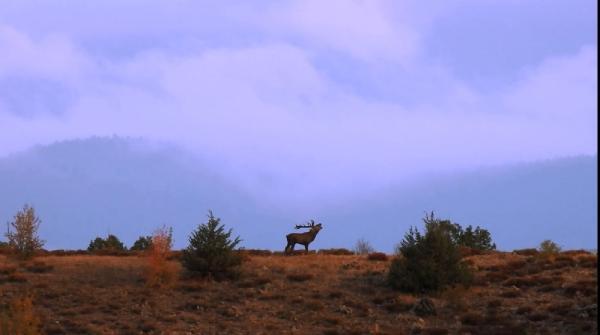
430,261
478,239
111,243
24,240
211,251
142,243
548,248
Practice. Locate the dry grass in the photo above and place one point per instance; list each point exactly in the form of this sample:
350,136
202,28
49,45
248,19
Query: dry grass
377,256
19,318
38,267
310,294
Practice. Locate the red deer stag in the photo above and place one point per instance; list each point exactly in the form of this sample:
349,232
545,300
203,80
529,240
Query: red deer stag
302,238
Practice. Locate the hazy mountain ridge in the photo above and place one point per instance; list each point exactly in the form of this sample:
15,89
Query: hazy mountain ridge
84,188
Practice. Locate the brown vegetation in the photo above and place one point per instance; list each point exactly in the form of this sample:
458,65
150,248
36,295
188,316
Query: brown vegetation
377,256
160,273
311,294
18,317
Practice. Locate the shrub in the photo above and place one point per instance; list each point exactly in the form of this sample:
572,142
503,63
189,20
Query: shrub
377,256
549,248
24,240
478,238
363,247
142,243
160,273
111,243
19,317
428,262
211,250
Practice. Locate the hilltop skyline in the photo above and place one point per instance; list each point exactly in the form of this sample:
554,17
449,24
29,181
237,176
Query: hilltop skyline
300,104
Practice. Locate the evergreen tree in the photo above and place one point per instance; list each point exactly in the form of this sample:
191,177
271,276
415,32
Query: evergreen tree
211,250
429,261
142,243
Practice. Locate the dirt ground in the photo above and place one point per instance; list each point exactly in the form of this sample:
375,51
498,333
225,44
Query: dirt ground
310,294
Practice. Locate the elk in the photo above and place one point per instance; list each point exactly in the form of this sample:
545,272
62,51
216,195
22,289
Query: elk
302,238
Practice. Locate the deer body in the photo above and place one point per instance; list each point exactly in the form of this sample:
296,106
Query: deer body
302,238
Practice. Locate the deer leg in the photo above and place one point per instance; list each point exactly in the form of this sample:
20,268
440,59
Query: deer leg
306,248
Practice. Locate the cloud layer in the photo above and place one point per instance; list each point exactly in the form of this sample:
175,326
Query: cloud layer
303,98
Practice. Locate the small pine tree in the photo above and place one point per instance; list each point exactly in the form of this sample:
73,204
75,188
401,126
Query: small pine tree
142,243
113,243
211,250
479,239
110,243
24,240
430,261
97,244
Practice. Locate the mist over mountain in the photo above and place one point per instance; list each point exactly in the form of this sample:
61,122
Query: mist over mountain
87,188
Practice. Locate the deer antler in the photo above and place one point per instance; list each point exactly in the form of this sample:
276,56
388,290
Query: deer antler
310,224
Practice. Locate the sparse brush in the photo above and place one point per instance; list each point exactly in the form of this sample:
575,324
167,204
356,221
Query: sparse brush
363,247
590,261
584,287
526,252
548,248
256,252
160,272
377,256
23,241
16,277
38,267
455,298
336,251
19,318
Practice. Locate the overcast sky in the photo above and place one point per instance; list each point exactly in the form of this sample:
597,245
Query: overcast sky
303,93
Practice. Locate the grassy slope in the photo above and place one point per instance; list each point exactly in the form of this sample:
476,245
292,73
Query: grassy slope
312,294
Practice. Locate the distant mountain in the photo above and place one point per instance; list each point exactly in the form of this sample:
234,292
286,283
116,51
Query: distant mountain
85,188
521,205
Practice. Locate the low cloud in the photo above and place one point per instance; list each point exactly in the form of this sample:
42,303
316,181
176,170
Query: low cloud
276,116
